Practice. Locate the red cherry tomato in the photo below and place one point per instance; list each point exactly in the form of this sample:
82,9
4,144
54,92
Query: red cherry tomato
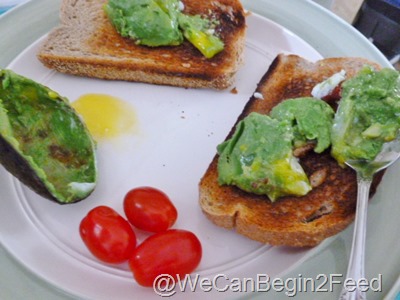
149,209
107,235
174,252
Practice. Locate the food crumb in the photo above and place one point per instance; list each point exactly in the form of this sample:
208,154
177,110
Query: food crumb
247,13
234,91
258,96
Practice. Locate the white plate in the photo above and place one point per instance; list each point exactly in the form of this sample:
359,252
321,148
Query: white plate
176,137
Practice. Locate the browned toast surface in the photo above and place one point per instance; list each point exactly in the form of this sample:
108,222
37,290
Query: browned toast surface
292,221
87,44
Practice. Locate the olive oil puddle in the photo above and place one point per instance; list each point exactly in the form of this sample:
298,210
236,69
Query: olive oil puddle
106,116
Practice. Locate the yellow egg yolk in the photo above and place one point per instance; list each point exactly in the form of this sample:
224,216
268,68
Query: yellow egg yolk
105,116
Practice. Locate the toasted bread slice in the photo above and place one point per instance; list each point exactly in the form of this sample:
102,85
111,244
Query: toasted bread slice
86,44
291,221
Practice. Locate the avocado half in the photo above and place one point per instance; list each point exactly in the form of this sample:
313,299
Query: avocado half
43,142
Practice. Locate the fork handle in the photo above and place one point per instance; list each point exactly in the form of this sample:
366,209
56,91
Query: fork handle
355,270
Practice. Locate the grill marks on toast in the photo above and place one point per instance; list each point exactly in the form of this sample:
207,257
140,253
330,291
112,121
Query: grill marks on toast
322,211
291,221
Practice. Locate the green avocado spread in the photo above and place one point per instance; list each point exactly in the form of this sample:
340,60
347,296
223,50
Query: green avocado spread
258,158
162,23
310,120
368,115
44,132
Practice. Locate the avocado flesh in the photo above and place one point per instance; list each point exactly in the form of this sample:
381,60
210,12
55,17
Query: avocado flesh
149,22
43,142
258,159
367,116
156,23
197,31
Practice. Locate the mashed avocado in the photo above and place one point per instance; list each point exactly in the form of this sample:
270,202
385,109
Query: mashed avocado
199,32
258,159
149,22
310,118
367,116
161,23
259,156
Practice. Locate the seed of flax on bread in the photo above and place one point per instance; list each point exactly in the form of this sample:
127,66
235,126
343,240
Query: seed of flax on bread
291,221
86,44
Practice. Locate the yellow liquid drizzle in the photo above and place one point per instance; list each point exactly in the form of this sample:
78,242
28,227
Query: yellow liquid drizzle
105,116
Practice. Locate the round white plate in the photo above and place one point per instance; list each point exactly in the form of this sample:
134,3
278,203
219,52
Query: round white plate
176,135
326,33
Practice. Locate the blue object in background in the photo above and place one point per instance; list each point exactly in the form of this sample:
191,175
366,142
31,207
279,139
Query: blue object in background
395,3
4,9
397,297
8,4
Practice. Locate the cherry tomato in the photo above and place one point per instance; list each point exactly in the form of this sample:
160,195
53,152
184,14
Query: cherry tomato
149,209
107,235
174,252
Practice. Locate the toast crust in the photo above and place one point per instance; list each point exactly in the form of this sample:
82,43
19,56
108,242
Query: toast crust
291,221
86,44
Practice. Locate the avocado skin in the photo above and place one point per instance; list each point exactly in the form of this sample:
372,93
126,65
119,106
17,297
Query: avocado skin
20,168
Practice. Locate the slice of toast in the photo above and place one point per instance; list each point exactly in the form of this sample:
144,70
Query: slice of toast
87,44
291,221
